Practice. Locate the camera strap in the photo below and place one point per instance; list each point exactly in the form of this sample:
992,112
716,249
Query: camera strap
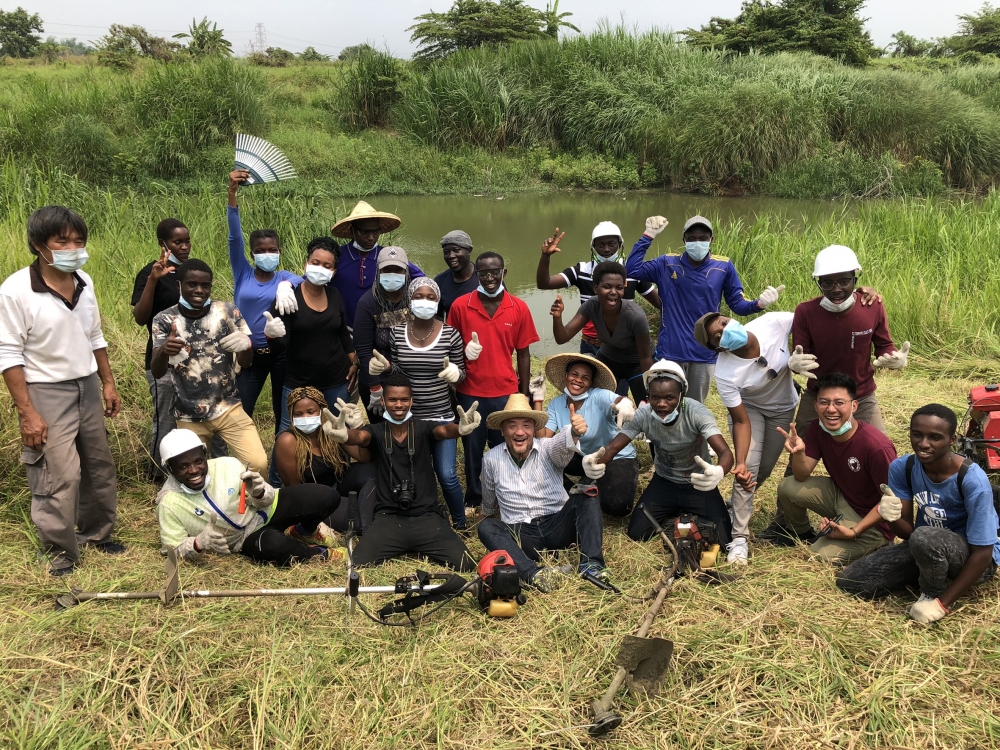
389,445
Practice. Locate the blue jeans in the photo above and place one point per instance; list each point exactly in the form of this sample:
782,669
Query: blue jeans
475,442
250,383
445,452
579,522
330,394
587,348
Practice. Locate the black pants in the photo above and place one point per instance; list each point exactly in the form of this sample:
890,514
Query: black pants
306,504
391,535
628,377
666,499
250,382
616,489
359,478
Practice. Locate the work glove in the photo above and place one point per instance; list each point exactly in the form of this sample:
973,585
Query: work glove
802,363
450,373
769,296
926,611
375,405
335,426
473,349
211,539
890,507
259,493
709,477
274,328
895,360
592,466
469,420
536,387
284,300
625,411
377,364
235,342
655,225
353,417
180,356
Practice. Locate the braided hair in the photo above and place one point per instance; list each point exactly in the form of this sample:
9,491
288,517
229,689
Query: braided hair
331,451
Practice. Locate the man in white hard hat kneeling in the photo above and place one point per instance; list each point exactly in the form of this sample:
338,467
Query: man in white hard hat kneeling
199,509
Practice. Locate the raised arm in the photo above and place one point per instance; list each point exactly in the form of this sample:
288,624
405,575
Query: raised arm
237,257
562,333
142,311
543,279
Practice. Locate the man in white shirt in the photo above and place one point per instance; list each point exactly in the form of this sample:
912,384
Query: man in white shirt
54,361
523,484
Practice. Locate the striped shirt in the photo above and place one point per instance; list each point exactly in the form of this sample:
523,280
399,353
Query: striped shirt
431,395
534,489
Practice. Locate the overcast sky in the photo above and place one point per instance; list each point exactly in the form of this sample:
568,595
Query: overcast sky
331,26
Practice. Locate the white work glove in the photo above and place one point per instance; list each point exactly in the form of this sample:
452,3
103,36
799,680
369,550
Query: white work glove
335,426
802,363
211,539
769,296
536,387
709,477
450,373
274,328
591,467
895,360
625,411
377,364
473,349
284,300
375,405
469,420
180,356
235,342
655,225
353,417
259,493
927,611
890,507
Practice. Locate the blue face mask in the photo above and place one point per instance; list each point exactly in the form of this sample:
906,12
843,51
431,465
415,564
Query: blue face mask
697,250
266,262
189,306
839,431
388,417
174,259
571,397
69,261
734,336
671,417
392,282
495,294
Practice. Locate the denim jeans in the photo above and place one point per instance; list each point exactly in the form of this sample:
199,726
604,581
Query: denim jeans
579,522
250,383
475,443
445,453
330,394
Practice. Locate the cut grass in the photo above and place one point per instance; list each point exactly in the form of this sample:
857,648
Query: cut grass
778,659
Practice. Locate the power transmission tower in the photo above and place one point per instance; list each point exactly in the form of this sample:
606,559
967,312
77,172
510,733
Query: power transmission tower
261,43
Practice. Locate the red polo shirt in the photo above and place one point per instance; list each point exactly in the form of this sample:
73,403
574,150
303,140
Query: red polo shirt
510,329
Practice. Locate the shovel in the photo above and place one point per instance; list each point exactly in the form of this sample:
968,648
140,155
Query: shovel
166,596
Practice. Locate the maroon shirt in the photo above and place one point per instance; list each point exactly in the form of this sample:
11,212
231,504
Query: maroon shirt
842,342
857,467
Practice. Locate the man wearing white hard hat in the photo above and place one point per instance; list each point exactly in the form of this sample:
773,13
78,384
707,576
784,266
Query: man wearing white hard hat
690,285
199,511
682,430
606,243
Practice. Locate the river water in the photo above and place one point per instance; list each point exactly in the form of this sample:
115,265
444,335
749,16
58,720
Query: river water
516,225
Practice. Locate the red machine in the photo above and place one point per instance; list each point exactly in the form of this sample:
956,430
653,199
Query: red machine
980,438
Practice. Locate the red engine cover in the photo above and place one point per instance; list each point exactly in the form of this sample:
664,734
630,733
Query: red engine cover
500,557
981,399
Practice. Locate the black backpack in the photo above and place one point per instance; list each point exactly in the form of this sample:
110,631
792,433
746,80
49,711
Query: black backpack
967,464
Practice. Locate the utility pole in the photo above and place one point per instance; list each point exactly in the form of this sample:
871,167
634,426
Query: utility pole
261,43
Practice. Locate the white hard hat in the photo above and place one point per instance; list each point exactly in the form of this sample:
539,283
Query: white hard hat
176,442
666,369
835,259
606,229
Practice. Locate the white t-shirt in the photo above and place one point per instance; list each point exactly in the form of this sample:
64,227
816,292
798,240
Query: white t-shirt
768,387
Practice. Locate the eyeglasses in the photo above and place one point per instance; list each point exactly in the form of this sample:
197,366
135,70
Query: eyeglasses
490,273
771,372
845,283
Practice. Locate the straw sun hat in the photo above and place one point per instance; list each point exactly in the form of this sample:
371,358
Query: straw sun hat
362,211
518,407
556,366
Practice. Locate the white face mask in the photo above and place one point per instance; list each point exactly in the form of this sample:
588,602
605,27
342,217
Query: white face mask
670,418
204,487
571,397
308,425
69,261
847,304
425,309
318,275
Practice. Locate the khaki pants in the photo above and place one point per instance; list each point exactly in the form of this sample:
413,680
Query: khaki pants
821,495
74,492
239,432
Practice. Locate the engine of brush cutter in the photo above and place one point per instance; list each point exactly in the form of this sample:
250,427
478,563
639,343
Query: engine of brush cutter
499,587
980,439
696,540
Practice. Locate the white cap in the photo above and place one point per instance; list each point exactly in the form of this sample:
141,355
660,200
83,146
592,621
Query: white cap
606,229
835,259
176,442
666,369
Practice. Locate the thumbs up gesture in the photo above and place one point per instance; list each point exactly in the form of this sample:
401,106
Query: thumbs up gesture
211,539
469,420
769,296
473,349
274,328
709,476
377,364
802,363
890,507
175,347
592,466
557,308
451,373
577,423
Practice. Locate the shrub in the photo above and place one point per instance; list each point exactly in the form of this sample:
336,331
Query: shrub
369,89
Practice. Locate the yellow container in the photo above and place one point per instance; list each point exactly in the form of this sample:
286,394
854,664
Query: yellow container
500,608
710,557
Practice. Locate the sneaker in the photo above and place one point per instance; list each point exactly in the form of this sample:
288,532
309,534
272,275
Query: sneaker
329,554
323,536
738,550
546,580
786,537
110,548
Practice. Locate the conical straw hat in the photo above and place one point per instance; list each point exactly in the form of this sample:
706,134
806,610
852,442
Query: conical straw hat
387,222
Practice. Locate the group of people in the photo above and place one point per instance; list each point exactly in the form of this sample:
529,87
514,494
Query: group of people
376,371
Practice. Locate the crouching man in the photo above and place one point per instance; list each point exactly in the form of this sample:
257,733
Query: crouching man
953,543
199,509
682,430
523,484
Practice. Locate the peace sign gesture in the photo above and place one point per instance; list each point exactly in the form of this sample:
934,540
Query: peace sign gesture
793,443
551,245
161,267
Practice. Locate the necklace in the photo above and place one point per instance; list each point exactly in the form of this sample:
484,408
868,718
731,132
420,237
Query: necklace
413,331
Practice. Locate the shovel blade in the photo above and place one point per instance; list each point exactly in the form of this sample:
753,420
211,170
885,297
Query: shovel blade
169,592
646,661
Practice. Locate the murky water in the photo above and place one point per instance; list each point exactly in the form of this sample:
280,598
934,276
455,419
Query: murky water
516,225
